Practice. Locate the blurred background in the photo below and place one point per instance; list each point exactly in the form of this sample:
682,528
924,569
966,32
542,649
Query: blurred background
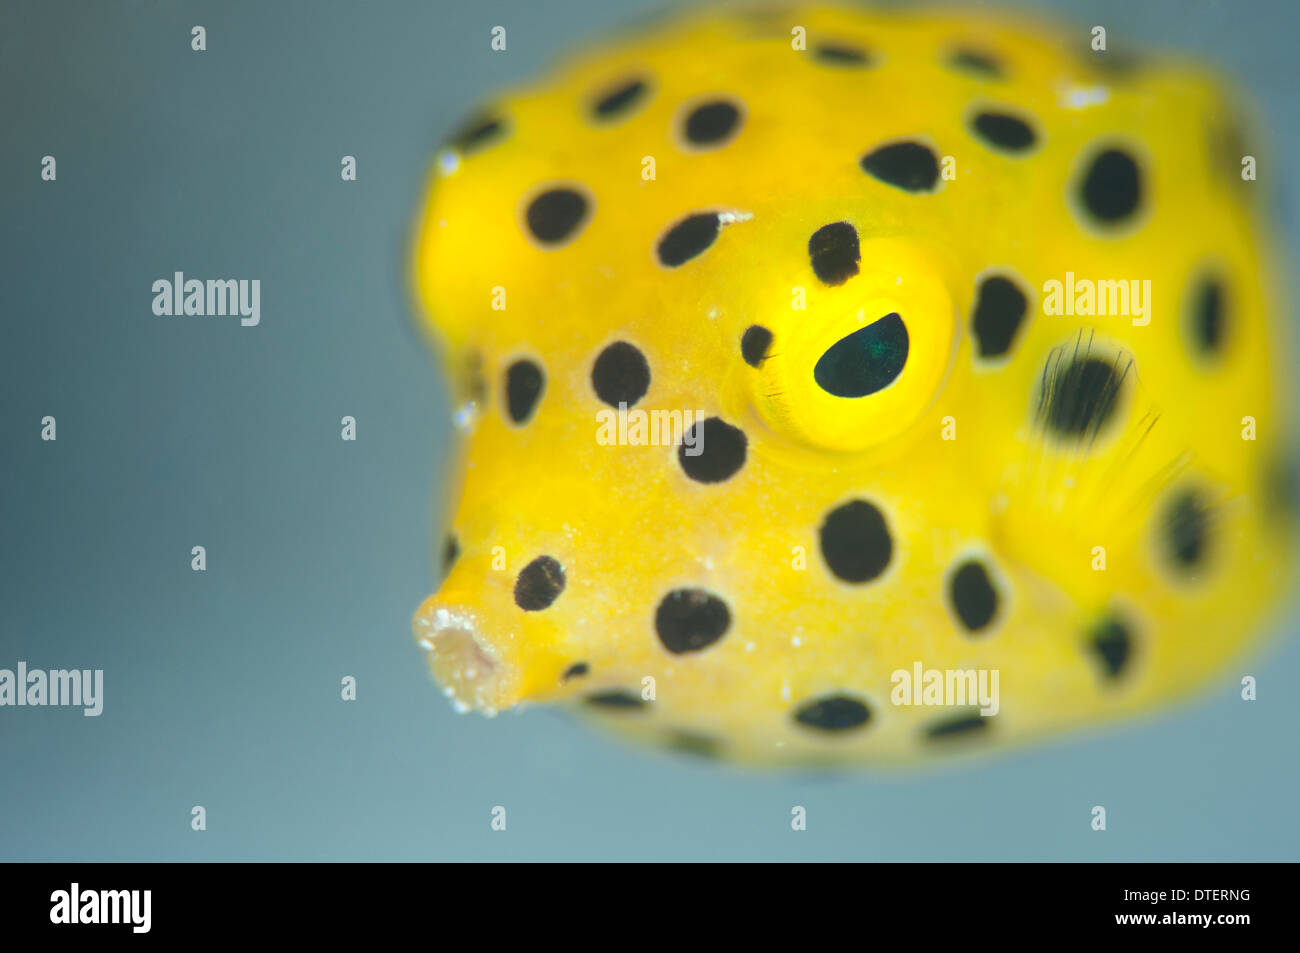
222,688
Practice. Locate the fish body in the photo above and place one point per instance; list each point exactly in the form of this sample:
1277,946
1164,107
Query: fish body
853,386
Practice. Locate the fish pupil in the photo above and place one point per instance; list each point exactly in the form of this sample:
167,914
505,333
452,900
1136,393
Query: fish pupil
866,361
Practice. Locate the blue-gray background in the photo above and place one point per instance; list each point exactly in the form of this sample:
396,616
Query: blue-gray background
222,688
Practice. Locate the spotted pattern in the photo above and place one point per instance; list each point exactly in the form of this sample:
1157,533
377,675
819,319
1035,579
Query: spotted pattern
856,542
1004,132
834,252
621,374
1111,188
712,125
539,584
973,596
619,102
525,381
450,553
689,620
1079,394
833,714
910,166
617,700
688,238
1111,643
556,216
754,344
1185,530
478,133
963,725
1208,322
841,54
976,63
1000,308
722,451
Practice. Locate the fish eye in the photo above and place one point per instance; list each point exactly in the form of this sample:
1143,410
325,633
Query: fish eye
863,360
866,361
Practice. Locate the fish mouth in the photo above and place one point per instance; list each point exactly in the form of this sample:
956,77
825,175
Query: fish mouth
471,670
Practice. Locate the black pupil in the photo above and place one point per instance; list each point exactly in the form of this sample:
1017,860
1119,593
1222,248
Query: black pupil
866,361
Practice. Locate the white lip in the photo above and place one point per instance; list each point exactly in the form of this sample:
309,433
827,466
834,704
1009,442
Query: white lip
470,671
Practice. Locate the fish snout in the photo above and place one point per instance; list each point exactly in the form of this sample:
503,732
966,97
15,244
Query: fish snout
484,654
475,672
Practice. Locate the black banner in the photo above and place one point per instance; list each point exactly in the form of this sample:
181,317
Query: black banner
329,901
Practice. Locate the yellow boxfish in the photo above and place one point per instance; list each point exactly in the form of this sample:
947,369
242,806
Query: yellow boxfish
848,386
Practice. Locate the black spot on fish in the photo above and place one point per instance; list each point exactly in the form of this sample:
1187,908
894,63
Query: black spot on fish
975,62
1185,530
754,344
1080,394
620,100
841,54
833,713
524,384
689,620
855,542
964,725
909,166
478,133
621,374
1111,643
1004,132
688,238
450,552
711,124
1207,316
1000,307
1111,189
556,216
722,451
973,597
834,252
539,584
617,700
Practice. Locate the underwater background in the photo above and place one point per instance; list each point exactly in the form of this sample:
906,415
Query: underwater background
222,688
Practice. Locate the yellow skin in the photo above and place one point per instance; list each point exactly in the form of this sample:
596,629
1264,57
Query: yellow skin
958,453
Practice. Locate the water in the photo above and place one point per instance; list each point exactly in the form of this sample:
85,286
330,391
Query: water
222,688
